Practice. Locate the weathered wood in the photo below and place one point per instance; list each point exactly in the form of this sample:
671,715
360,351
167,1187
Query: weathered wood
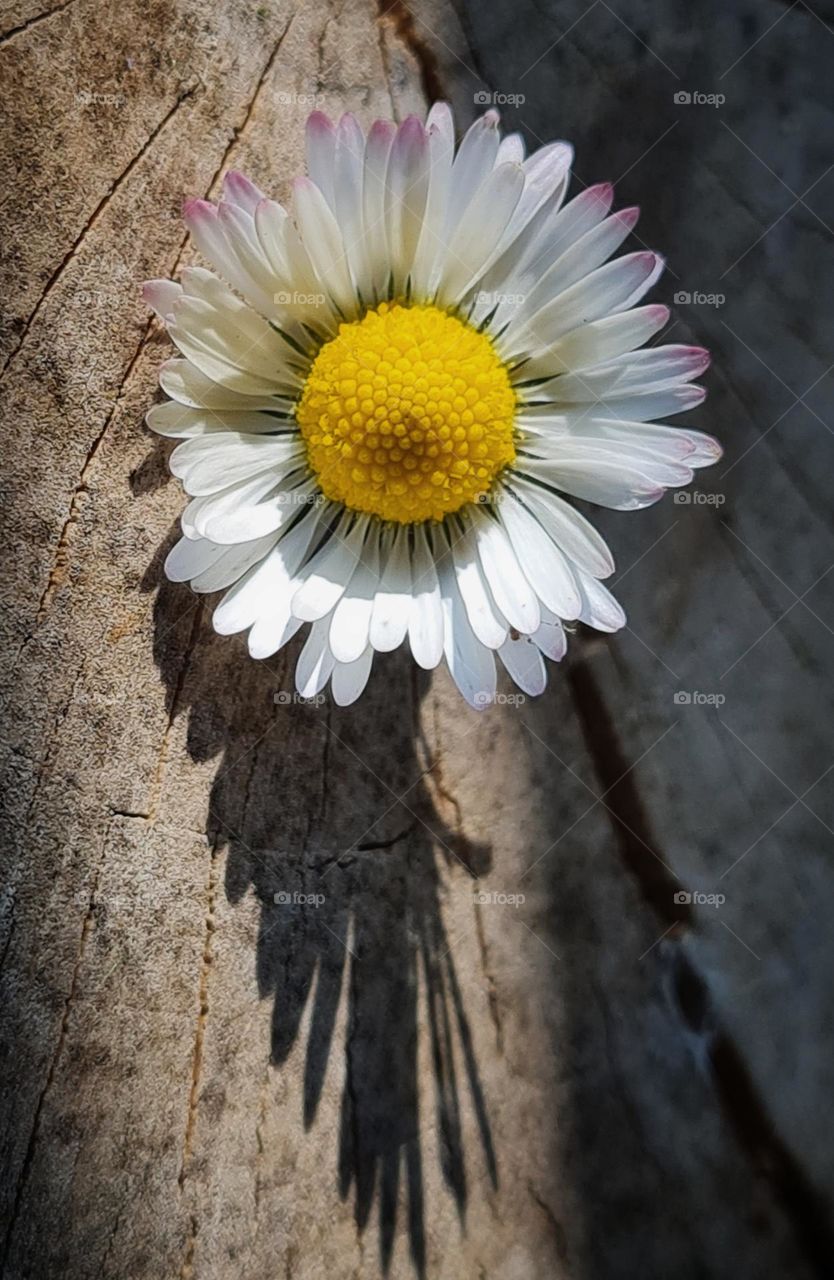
597,1080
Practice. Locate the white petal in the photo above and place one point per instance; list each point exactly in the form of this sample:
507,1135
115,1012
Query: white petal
550,233
511,150
315,662
180,423
474,160
331,569
568,528
591,344
545,181
512,592
231,566
599,608
483,614
475,244
161,296
271,221
185,383
349,679
588,253
190,557
228,341
223,244
268,635
322,239
425,623
471,664
524,664
606,484
377,150
210,463
431,247
247,510
321,153
650,405
238,190
348,201
595,296
264,592
351,619
551,639
544,565
653,462
392,602
405,196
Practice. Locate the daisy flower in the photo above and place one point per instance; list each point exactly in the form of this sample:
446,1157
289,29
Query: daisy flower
389,393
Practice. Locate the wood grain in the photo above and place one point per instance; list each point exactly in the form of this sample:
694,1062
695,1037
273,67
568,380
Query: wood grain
495,1042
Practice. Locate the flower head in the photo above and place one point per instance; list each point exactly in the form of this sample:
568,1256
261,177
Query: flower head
388,395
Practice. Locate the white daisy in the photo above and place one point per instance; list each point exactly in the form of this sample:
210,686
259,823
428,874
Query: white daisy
389,394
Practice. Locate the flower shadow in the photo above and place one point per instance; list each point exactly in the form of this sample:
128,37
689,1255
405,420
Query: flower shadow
325,816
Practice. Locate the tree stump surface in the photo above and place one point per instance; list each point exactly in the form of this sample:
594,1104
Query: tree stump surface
503,1037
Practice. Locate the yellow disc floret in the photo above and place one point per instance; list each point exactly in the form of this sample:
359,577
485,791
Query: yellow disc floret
407,414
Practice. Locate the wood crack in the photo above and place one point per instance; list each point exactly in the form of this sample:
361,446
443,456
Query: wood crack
32,22
555,1225
60,563
492,989
397,15
86,928
97,213
206,962
743,1107
176,697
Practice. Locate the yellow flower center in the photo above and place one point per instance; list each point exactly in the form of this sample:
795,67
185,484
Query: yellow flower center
407,414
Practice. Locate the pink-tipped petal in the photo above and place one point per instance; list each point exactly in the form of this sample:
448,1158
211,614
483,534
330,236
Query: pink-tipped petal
628,217
161,295
238,190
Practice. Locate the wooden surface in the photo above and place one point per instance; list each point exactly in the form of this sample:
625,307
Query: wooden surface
600,1080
